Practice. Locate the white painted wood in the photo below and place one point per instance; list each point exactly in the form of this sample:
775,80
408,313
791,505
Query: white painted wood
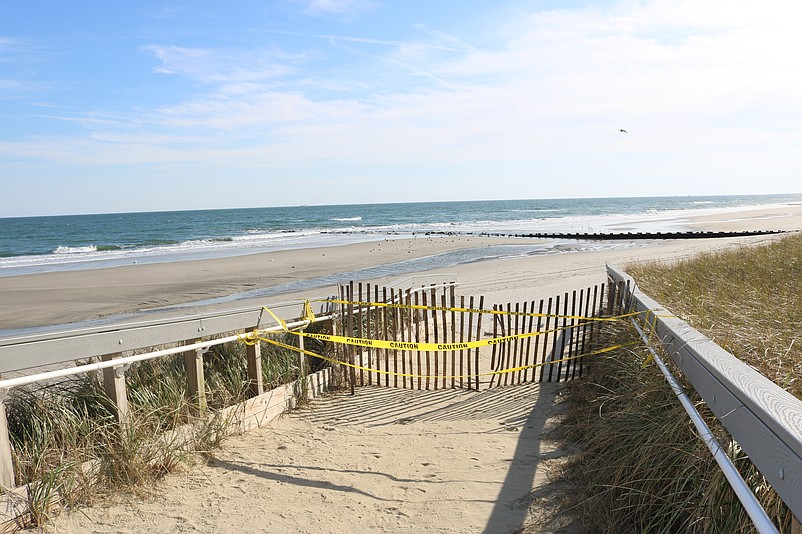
27,352
196,381
263,409
6,464
253,357
114,385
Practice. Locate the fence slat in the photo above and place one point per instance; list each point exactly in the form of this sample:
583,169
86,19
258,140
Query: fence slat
546,338
386,335
400,331
496,348
520,342
529,342
352,371
470,336
574,344
407,316
560,337
445,339
478,336
428,372
537,338
580,363
417,315
359,351
453,301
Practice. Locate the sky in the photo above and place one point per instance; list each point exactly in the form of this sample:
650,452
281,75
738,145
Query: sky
140,106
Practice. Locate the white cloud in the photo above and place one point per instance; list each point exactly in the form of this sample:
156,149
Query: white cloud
220,66
339,7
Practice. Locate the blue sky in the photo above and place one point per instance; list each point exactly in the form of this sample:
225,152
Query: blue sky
138,106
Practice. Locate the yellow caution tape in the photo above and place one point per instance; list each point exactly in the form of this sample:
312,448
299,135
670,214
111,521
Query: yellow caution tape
255,339
424,346
309,315
368,304
427,346
278,319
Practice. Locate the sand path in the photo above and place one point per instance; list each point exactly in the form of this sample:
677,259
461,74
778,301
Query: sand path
385,460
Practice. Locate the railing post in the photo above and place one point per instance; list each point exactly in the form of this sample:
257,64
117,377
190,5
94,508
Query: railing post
114,385
6,463
301,356
196,383
253,356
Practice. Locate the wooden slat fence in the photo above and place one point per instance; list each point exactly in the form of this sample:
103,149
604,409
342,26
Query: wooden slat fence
435,314
429,316
565,337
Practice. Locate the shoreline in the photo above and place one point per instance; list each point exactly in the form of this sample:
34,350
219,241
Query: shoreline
196,286
250,234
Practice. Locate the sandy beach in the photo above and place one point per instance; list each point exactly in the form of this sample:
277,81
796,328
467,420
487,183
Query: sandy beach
72,296
383,460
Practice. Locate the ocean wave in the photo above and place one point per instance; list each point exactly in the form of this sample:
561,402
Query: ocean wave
346,219
75,250
539,210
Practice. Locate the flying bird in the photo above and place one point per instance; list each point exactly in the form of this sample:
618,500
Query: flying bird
622,130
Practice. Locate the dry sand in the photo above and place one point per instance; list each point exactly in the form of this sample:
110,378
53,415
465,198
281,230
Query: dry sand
384,460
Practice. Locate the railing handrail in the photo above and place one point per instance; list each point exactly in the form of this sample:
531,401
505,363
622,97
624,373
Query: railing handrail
127,360
19,353
39,351
762,417
135,322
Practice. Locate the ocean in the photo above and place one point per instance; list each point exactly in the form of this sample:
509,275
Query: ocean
68,242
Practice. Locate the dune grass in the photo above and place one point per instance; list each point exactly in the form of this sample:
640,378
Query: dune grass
749,301
70,450
642,467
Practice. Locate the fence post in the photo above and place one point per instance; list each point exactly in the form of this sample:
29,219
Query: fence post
196,383
253,357
114,385
6,462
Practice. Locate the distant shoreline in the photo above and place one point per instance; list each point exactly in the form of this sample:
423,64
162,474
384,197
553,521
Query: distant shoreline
196,286
66,243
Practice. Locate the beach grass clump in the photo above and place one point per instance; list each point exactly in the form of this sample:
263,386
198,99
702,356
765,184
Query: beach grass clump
70,449
53,429
749,301
642,466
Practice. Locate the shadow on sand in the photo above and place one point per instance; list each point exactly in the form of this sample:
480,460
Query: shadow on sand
525,409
